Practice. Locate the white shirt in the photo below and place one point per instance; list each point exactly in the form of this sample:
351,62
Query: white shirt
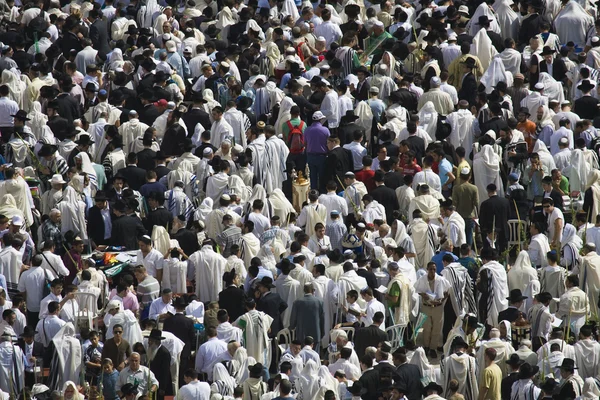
153,261
52,263
358,152
556,214
47,328
440,286
261,223
451,90
196,309
85,57
195,390
330,109
332,201
330,31
159,307
8,107
32,282
372,307
208,354
45,301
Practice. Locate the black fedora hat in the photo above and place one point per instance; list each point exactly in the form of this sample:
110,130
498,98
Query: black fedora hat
469,62
459,342
361,257
514,360
179,302
501,86
244,102
549,385
432,387
256,368
156,334
100,196
352,10
28,332
357,389
527,371
21,115
586,85
129,389
362,69
266,281
47,150
212,31
483,20
516,296
84,140
401,33
350,116
119,175
547,50
160,155
198,97
90,87
568,364
120,206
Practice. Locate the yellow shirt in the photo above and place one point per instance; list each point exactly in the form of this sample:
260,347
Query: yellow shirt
492,379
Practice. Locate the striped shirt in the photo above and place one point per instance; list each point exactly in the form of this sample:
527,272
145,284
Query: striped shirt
148,290
230,236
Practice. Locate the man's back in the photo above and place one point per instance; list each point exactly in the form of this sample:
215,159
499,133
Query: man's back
492,380
410,376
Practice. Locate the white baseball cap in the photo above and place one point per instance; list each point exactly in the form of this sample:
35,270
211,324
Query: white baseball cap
317,116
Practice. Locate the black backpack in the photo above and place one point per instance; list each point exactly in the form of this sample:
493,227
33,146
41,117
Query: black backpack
37,26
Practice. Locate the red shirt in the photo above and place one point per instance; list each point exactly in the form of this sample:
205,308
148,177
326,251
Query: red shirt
366,177
410,170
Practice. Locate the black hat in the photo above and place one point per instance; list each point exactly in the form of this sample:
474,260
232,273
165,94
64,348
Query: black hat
47,150
156,334
160,76
84,140
129,389
179,302
483,20
432,386
197,96
401,33
437,14
543,297
234,49
527,371
469,62
459,342
586,85
120,206
430,50
132,30
472,320
266,281
568,364
350,116
148,65
160,155
547,51
212,31
361,257
549,385
357,389
516,296
100,196
501,86
28,332
244,102
352,10
90,87
21,115
524,110
362,69
256,368
119,175
514,360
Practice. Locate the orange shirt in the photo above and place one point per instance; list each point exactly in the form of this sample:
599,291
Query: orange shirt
529,133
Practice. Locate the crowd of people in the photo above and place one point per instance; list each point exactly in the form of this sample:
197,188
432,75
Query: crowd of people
279,199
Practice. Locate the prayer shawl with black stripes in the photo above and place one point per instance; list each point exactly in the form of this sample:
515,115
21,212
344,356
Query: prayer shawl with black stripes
497,291
461,295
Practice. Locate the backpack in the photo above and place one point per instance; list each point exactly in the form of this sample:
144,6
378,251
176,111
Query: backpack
37,25
296,138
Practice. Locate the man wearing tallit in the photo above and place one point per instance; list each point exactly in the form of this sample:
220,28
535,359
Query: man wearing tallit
12,366
216,185
453,225
72,210
276,152
399,294
326,290
424,237
289,289
462,301
249,243
503,352
131,130
486,172
426,203
350,280
492,286
214,226
589,275
521,275
461,121
462,367
239,123
312,213
209,267
256,325
116,315
51,197
18,188
67,365
220,129
353,193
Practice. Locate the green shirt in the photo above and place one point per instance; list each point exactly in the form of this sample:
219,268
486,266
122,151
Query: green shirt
564,185
374,40
394,292
286,129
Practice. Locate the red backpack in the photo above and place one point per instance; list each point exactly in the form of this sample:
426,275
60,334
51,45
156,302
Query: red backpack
296,138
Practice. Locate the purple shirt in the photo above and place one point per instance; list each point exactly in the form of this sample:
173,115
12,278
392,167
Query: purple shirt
315,138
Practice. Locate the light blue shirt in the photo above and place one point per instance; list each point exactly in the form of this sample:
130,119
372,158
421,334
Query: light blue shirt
444,167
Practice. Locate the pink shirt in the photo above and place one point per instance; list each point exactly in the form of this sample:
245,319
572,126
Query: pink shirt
130,302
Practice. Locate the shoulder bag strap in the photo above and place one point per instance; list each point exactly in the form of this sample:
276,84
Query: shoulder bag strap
50,264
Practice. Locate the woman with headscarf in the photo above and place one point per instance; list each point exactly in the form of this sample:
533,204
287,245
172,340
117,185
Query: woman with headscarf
37,120
570,245
494,74
223,383
428,119
15,86
544,126
486,170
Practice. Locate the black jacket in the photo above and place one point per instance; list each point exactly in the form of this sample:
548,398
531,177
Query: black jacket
530,27
161,171
69,41
99,36
387,198
22,58
369,277
135,176
511,314
498,207
58,125
161,217
586,107
368,336
417,145
338,162
362,91
468,90
182,327
557,199
232,299
68,107
125,232
273,305
173,141
146,159
408,99
196,116
188,241
559,69
38,349
95,226
160,366
409,375
393,180
506,385
497,40
370,381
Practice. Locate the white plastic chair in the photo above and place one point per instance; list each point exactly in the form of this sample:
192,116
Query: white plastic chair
516,232
395,335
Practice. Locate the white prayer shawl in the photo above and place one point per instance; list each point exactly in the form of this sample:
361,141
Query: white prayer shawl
239,123
174,275
589,278
19,190
250,247
508,20
68,350
462,133
11,354
284,114
578,172
482,47
258,147
280,205
459,222
511,59
572,23
210,267
239,365
425,239
315,213
178,203
131,328
594,184
130,131
462,368
591,389
88,168
374,211
365,118
499,291
567,349
486,165
289,290
351,281
428,119
72,209
258,193
214,226
37,120
256,337
236,185
483,9
402,313
216,186
521,273
503,352
326,290
587,357
494,74
117,159
277,153
552,88
220,131
308,383
461,294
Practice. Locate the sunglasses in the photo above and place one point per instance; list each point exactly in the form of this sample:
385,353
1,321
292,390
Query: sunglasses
118,332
